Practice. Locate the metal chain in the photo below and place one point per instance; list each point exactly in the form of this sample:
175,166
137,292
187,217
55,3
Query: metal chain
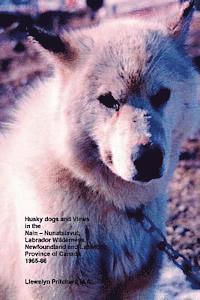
192,272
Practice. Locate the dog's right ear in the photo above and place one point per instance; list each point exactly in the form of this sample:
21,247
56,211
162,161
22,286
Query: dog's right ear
179,26
67,48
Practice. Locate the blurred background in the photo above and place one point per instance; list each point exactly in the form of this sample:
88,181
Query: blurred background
20,65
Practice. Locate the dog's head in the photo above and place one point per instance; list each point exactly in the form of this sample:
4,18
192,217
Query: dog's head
129,93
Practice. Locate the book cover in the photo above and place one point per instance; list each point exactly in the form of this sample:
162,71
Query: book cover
97,100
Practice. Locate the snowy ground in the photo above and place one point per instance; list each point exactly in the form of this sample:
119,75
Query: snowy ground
173,285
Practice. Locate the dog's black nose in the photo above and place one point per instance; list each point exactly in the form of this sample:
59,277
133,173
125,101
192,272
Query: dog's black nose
149,163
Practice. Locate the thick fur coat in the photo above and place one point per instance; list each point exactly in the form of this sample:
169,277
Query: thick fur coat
70,152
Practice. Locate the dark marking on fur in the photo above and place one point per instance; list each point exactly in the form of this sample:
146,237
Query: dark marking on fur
109,158
196,61
5,64
19,47
48,40
181,26
142,279
189,9
127,252
135,82
136,214
121,76
93,145
53,43
105,266
87,234
115,294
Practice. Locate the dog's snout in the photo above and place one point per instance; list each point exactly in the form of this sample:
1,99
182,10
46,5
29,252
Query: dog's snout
149,163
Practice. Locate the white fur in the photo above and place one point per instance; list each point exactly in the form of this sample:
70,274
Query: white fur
50,167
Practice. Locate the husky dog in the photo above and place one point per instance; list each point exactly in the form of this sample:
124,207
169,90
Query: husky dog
96,140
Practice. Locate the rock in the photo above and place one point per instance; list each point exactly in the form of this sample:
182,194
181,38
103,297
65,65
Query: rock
180,230
182,208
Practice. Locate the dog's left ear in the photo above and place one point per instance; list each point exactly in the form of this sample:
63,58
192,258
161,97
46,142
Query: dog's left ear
178,28
68,48
52,42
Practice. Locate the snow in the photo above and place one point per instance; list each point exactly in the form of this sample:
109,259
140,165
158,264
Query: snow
173,285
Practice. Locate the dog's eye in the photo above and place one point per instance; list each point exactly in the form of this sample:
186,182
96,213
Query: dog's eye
109,101
161,97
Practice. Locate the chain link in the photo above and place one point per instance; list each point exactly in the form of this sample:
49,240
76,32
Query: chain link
192,272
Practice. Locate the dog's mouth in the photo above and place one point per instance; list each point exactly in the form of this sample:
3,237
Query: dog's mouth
148,176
